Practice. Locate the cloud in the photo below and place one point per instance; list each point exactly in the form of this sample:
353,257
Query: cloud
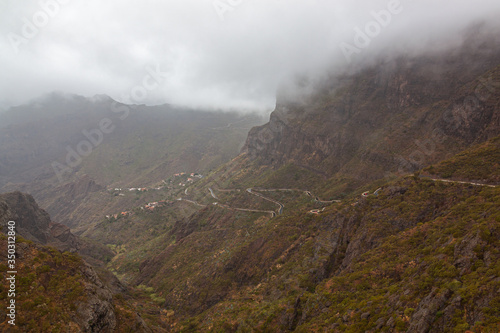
212,53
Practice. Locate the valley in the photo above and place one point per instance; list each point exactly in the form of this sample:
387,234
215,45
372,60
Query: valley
369,202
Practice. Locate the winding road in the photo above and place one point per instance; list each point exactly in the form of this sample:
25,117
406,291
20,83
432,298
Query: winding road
254,191
212,193
280,210
459,182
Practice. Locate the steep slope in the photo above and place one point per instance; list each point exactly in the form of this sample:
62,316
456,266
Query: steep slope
281,237
421,255
395,117
33,223
229,269
134,140
478,164
56,290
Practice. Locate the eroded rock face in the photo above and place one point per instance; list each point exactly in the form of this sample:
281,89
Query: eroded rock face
425,314
356,123
97,313
72,195
32,222
464,254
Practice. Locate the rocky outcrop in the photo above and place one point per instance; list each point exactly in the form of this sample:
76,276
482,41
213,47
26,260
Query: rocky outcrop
97,313
425,314
66,197
34,223
81,188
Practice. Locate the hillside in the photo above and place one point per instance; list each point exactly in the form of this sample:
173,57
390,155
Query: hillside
140,147
390,119
421,255
368,203
35,224
56,290
480,165
283,240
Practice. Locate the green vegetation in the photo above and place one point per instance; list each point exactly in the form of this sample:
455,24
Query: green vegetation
373,263
49,289
476,164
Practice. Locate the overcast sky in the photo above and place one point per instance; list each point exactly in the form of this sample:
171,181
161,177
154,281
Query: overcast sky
222,53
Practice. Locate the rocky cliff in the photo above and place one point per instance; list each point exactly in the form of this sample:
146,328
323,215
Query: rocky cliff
34,223
397,116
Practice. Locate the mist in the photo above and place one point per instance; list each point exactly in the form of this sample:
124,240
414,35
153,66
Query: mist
225,54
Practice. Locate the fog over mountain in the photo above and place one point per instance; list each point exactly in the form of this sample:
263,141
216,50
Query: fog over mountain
221,53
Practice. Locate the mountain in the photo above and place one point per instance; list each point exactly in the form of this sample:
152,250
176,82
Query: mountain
397,116
369,202
56,290
66,150
421,255
363,205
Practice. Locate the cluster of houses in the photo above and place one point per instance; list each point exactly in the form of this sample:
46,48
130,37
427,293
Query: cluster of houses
194,174
122,214
190,177
152,205
132,189
149,206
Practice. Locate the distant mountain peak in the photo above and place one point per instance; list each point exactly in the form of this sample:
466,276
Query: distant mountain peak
101,98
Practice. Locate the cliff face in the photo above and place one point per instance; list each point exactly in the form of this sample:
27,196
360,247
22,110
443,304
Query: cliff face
32,222
423,108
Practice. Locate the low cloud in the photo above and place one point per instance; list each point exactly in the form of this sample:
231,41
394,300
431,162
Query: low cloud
216,54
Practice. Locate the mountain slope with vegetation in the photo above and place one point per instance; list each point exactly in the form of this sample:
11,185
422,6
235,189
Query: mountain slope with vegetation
40,141
315,267
393,118
422,255
368,203
55,289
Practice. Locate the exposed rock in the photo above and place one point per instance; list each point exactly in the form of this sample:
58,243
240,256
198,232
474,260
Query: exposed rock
96,314
353,124
32,222
380,323
365,315
440,325
81,188
464,254
425,313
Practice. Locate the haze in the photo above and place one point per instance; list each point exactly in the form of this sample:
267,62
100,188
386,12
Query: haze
227,54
